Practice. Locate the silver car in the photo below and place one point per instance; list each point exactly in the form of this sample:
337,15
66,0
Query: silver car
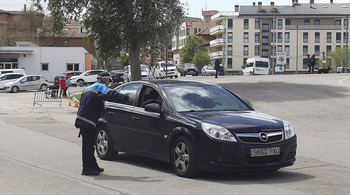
9,77
28,82
208,70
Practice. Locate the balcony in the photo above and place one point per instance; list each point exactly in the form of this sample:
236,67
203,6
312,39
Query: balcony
313,27
217,42
217,54
217,30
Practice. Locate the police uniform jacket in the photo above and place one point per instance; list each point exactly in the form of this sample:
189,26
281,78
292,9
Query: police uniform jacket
92,103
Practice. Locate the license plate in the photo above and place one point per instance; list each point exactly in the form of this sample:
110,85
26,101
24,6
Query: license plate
264,152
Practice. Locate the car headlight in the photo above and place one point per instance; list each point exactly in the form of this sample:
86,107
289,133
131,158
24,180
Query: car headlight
218,132
288,130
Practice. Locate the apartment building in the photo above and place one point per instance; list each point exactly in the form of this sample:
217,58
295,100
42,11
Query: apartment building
263,30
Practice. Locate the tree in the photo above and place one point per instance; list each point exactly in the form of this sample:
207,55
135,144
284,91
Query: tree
193,44
339,57
200,59
121,24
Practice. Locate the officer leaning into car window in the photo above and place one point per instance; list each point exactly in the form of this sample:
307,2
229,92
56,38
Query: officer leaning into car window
90,109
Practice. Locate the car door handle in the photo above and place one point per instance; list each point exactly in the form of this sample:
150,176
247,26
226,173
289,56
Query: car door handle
111,113
135,118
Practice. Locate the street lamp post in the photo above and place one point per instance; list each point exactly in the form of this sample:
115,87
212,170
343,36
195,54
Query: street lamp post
296,69
347,40
273,39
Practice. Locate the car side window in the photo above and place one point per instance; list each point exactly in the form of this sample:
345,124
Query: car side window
35,78
149,95
130,90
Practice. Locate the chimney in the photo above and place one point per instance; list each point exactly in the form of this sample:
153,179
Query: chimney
253,3
331,1
236,8
293,3
272,4
259,6
311,2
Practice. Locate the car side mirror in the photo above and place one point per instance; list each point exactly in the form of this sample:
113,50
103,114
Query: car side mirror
153,107
249,104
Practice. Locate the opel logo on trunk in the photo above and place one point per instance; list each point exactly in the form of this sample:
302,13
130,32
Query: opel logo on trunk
263,137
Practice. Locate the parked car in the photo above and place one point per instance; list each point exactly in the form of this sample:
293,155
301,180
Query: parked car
9,77
188,69
165,69
145,73
86,77
198,126
341,69
117,76
208,70
69,74
27,82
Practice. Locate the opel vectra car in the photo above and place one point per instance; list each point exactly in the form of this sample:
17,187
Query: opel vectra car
195,126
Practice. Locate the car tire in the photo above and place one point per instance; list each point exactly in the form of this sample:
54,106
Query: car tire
43,87
14,89
104,144
183,158
176,76
80,83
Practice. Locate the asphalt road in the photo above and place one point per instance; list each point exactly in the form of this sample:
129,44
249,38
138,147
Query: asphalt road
40,152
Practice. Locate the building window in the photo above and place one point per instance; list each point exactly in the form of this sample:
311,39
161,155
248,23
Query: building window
317,37
257,24
229,50
279,48
317,22
187,31
345,38
317,50
256,50
287,21
274,23
338,37
72,67
265,54
229,35
329,49
305,50
307,22
280,24
246,37
337,22
257,37
245,50
287,50
286,37
280,37
246,24
329,37
229,62
305,37
229,23
287,63
195,31
44,66
274,37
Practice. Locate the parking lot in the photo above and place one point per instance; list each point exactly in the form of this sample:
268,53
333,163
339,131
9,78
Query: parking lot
40,152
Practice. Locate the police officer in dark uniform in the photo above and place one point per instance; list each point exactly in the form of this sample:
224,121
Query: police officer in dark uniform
90,109
217,67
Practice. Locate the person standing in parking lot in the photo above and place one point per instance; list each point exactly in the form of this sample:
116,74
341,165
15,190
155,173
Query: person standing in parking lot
313,63
217,67
63,87
90,110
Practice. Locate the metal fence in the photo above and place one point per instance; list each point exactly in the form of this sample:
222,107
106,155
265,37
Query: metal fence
51,95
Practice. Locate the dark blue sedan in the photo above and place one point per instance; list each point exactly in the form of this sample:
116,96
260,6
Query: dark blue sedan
195,126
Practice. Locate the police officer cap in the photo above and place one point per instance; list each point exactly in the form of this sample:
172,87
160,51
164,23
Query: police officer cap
103,75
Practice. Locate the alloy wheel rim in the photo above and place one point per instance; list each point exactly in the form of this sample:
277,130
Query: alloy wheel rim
102,142
181,157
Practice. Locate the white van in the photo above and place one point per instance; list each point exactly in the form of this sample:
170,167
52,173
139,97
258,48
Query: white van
162,70
256,66
4,71
145,73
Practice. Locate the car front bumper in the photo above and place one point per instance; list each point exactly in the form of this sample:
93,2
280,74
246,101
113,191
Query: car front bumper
227,156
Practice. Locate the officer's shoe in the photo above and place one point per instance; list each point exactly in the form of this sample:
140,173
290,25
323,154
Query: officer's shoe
90,172
99,169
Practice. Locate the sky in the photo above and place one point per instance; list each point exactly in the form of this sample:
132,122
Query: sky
194,6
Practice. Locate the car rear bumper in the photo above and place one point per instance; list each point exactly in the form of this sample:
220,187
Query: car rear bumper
236,156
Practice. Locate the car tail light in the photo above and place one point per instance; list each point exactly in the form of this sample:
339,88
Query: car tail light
46,80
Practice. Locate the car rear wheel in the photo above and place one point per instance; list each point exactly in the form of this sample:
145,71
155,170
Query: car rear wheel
104,144
14,89
183,158
43,87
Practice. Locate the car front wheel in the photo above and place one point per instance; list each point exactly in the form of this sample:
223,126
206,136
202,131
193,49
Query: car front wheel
14,89
104,144
80,83
183,158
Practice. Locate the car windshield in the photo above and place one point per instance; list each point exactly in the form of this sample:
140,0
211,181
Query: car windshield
144,68
210,67
189,65
169,64
196,98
